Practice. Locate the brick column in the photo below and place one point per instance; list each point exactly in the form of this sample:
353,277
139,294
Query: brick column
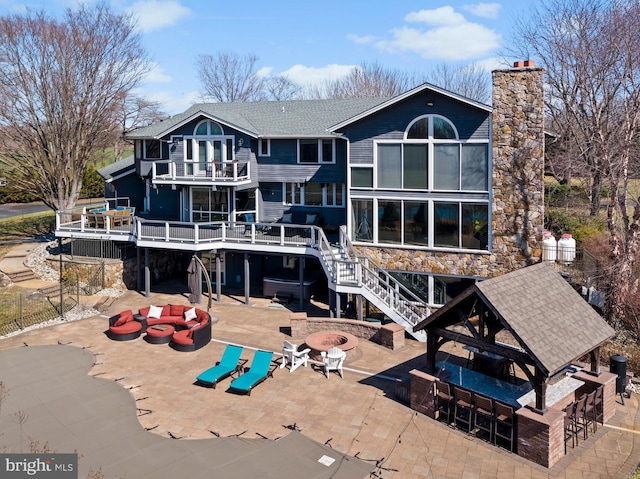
422,397
392,336
298,323
540,436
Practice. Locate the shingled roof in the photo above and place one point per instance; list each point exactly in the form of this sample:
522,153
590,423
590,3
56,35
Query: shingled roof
552,323
269,118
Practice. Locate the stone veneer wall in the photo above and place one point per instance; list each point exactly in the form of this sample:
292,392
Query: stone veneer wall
123,274
518,188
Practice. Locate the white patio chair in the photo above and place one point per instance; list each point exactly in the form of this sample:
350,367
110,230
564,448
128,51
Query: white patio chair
293,357
333,360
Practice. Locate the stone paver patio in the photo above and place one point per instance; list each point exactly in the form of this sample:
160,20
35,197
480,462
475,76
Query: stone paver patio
358,415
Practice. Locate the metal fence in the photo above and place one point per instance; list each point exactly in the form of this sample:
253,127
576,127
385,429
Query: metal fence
101,249
28,309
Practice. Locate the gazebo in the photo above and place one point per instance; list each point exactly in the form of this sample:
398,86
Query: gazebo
545,327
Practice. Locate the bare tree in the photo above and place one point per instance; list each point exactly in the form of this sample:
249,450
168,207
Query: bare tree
60,85
365,81
228,77
469,80
591,52
133,112
281,88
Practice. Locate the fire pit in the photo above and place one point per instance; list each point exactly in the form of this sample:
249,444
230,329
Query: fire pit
325,340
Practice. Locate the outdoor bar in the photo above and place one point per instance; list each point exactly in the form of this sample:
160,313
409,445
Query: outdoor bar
528,375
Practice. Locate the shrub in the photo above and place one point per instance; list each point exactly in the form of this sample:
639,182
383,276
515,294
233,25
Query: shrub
580,225
92,184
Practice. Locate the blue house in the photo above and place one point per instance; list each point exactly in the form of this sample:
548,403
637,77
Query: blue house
400,203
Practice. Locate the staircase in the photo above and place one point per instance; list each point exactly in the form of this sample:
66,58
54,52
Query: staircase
349,272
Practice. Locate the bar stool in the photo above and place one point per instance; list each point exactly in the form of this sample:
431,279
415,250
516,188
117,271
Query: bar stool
483,415
463,412
599,405
505,425
569,426
443,400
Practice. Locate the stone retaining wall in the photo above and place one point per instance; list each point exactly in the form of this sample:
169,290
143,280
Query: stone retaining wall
389,335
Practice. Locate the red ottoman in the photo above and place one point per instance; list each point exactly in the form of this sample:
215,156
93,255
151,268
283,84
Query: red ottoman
159,333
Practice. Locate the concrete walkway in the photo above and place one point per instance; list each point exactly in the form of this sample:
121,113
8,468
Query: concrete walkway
358,415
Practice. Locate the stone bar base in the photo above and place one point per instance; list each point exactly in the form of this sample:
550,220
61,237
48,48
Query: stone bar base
421,393
540,436
591,382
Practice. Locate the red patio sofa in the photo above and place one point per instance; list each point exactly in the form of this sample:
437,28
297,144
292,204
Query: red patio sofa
188,335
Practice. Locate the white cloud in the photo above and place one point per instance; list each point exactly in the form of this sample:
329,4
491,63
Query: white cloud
484,10
493,63
173,103
362,40
157,75
306,76
448,36
264,72
440,16
158,14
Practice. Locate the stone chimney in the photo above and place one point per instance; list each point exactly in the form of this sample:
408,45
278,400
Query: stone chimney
518,163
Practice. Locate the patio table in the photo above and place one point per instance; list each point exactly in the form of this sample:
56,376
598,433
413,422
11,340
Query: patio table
476,382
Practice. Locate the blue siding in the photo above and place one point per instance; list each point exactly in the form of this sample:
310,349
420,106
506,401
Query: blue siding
390,124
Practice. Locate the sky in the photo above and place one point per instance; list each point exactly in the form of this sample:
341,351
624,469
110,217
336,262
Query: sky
309,41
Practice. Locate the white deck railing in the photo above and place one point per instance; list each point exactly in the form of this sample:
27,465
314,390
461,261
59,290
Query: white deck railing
223,172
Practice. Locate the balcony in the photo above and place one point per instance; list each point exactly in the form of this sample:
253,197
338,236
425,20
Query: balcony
232,173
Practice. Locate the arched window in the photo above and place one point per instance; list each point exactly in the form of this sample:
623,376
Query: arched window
207,128
431,126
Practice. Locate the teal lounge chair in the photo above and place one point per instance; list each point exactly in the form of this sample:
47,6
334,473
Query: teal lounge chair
229,363
261,368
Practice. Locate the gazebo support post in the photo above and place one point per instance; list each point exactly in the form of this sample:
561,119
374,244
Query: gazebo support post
432,349
540,386
595,362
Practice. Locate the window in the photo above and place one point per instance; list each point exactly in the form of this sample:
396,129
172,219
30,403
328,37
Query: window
208,128
361,221
389,166
425,223
314,194
431,146
433,290
152,149
207,149
361,177
264,147
316,151
441,184
389,222
208,205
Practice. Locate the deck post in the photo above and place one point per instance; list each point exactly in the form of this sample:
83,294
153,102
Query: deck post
246,279
301,279
147,274
218,279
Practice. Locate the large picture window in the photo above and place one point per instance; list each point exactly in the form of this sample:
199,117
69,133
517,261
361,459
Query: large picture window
428,223
431,146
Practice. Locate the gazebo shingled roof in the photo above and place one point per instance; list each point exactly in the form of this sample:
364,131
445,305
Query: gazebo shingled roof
551,322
